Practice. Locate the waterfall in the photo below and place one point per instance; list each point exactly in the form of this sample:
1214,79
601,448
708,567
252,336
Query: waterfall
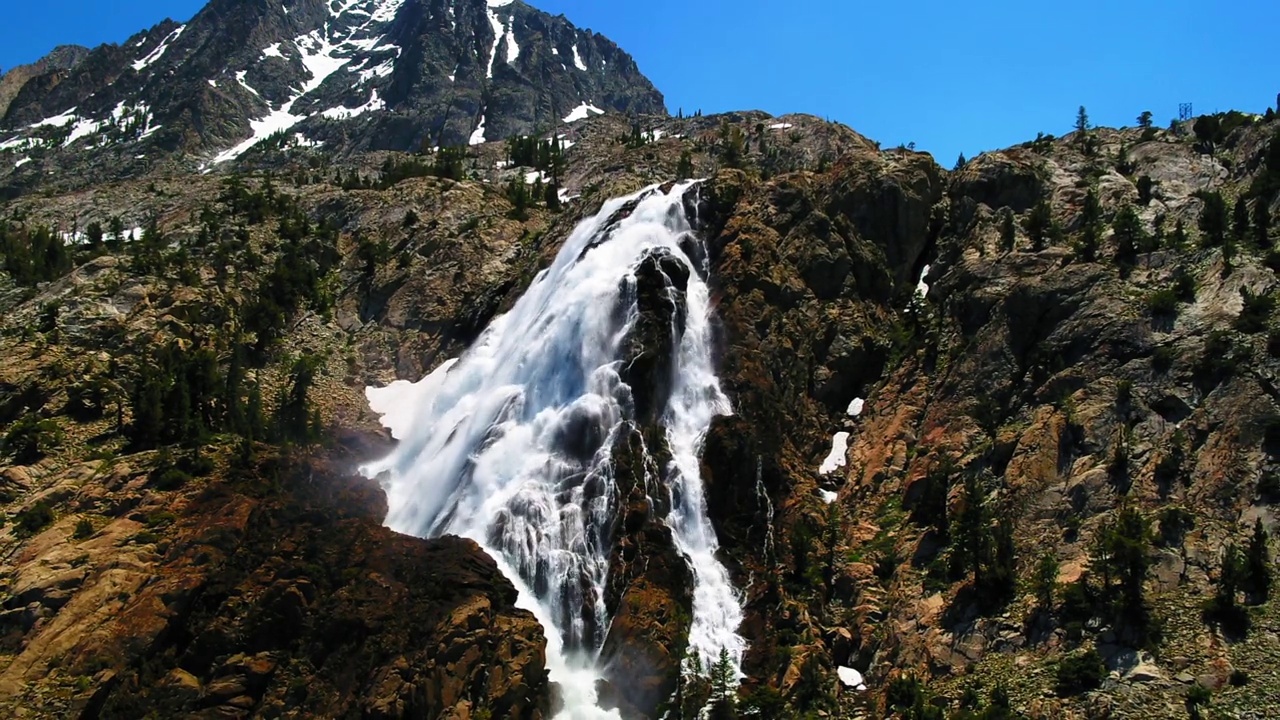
510,444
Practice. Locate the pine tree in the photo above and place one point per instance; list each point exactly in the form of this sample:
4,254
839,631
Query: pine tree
1131,543
1178,240
723,678
960,163
971,538
684,170
1258,563
1240,221
1008,231
1091,226
1213,220
1129,234
1082,128
1045,580
1145,187
1038,225
1144,120
255,418
1261,225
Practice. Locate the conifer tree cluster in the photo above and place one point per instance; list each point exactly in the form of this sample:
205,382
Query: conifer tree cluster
544,155
33,254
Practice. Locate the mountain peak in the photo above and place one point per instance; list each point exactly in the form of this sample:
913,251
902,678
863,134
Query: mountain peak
349,74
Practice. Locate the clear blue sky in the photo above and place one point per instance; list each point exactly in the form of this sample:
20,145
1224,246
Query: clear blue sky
951,76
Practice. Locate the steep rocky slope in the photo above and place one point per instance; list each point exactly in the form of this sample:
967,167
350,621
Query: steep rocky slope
1055,373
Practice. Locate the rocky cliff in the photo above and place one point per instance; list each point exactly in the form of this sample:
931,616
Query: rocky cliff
993,427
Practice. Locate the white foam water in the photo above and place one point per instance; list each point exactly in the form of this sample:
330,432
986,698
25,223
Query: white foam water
509,445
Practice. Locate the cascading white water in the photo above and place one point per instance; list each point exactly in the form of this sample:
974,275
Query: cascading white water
509,445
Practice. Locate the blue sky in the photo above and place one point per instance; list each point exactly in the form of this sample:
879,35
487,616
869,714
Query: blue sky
951,77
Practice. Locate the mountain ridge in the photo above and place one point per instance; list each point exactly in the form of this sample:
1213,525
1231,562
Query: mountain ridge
355,75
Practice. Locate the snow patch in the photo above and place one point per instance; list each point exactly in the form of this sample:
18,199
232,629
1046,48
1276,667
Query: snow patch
828,497
836,460
317,57
240,79
581,112
781,126
272,50
21,162
577,59
533,177
855,407
850,678
155,55
383,70
513,50
343,113
498,32
57,120
82,129
477,137
213,83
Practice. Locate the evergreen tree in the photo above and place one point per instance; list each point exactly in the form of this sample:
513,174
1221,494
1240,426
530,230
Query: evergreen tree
684,170
1261,225
1258,563
1178,240
115,233
1130,549
1240,221
552,197
1038,224
1082,128
1091,226
294,421
971,537
724,683
1144,120
1207,129
1129,234
960,163
1145,187
1008,231
1045,580
1213,220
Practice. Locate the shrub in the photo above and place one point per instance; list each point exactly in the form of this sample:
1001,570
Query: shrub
1163,303
1255,312
1239,678
171,479
1197,696
30,438
1080,673
84,529
34,519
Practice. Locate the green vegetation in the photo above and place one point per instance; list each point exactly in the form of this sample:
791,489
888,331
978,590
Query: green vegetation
1213,219
84,529
1198,696
1080,673
1255,313
1039,225
31,438
33,519
684,170
33,254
